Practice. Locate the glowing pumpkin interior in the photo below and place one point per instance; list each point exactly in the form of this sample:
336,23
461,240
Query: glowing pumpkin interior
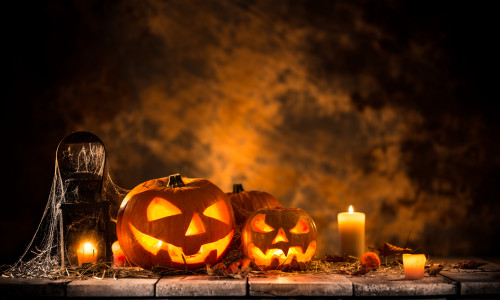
281,247
160,208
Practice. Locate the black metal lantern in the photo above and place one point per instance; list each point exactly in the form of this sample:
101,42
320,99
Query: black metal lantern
84,219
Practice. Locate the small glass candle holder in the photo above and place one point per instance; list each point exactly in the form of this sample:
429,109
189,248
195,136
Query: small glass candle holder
414,265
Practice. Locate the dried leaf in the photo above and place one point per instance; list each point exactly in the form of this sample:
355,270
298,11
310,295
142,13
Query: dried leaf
237,269
217,270
275,263
358,272
361,271
433,270
389,250
233,269
245,267
469,264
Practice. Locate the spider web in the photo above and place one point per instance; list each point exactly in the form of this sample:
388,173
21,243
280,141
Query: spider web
81,175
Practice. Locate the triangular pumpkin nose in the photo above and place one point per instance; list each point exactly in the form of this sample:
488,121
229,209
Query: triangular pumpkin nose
196,226
280,237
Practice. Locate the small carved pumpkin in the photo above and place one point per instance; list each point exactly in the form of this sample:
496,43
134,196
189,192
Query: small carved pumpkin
279,238
244,203
175,222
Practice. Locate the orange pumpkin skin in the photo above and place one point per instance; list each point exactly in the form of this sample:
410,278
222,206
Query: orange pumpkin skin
175,222
279,238
244,203
370,259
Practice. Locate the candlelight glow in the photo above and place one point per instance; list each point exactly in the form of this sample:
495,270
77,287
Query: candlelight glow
196,226
262,259
259,224
414,265
300,227
219,212
88,246
86,253
149,243
351,226
280,237
160,208
154,245
286,111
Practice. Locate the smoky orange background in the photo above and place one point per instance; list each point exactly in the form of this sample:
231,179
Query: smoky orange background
383,105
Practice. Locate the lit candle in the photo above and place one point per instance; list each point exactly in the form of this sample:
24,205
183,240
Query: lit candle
118,255
352,232
414,265
87,253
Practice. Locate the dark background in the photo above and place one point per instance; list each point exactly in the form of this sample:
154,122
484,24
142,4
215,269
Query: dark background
386,105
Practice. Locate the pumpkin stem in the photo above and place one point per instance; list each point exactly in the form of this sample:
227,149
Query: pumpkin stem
238,188
175,181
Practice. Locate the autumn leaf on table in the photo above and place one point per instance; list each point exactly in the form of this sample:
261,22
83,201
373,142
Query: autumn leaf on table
361,271
217,270
389,250
237,269
233,269
468,264
433,269
245,267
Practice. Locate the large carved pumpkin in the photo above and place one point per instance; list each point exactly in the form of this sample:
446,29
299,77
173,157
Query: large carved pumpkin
244,203
175,222
279,238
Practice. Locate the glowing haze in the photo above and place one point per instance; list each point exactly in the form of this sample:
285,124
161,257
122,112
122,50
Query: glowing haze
319,103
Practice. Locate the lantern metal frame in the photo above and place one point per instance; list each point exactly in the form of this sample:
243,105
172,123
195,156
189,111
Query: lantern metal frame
83,213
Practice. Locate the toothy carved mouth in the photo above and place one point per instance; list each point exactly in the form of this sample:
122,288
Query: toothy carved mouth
154,245
295,251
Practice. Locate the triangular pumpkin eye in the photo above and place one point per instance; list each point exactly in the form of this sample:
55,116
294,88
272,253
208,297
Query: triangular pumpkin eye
219,212
300,227
259,224
160,208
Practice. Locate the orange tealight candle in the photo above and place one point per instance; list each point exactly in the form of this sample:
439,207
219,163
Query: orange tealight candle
352,232
414,265
87,253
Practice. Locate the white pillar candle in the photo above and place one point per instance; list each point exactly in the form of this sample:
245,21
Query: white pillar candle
414,265
352,233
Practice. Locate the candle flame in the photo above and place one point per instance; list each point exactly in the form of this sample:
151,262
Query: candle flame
88,246
351,210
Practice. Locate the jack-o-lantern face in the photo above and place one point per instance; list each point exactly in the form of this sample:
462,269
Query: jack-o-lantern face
278,238
174,222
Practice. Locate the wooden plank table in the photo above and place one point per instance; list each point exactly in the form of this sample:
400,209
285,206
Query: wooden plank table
392,284
299,286
201,285
109,287
481,283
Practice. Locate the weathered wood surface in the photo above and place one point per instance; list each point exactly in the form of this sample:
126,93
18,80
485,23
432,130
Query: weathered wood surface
16,287
485,280
109,287
388,284
450,283
200,286
295,286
